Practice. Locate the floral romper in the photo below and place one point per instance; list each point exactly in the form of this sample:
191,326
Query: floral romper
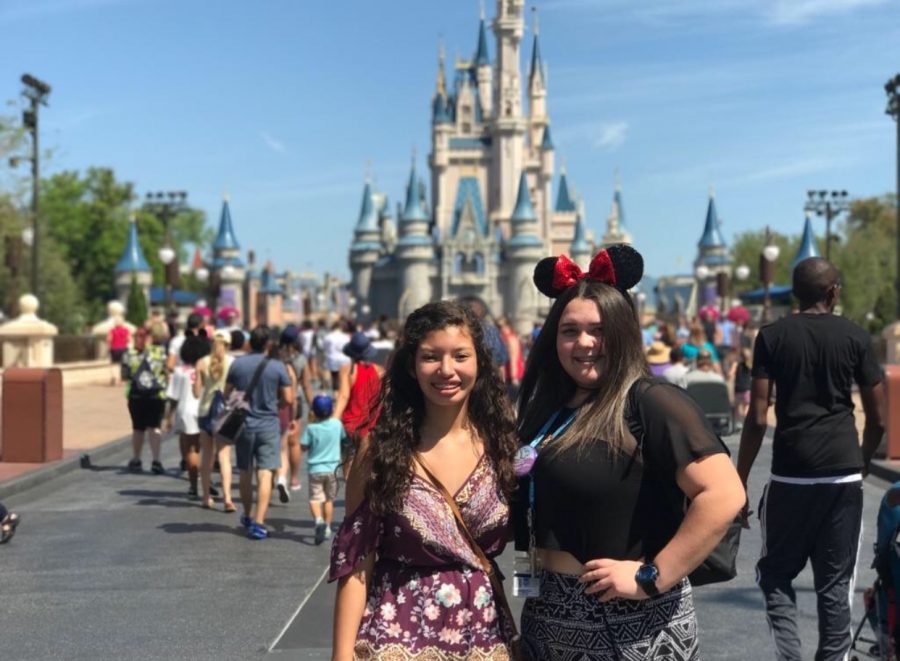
428,597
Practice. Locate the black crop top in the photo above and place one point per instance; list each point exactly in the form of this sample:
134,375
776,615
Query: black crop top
626,506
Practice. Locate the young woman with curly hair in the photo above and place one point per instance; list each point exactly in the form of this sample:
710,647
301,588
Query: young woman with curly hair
410,584
609,456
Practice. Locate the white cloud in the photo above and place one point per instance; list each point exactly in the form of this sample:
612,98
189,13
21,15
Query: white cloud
611,136
795,12
272,143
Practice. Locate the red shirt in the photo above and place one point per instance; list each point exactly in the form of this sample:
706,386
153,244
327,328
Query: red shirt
118,337
362,409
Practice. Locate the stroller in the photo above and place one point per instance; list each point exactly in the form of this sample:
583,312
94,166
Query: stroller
880,603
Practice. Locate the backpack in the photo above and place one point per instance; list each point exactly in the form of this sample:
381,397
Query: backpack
721,564
144,383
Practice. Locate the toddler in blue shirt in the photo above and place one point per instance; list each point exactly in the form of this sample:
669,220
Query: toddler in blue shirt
321,441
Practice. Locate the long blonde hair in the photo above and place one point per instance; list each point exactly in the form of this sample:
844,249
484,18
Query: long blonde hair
217,357
546,387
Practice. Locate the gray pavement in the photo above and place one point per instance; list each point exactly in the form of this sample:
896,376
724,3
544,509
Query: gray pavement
109,565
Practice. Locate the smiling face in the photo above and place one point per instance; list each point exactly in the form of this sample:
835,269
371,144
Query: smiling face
579,342
446,366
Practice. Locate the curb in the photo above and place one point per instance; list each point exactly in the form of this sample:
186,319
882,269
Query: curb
884,471
57,469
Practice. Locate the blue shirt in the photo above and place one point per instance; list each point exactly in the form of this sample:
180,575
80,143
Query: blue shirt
264,399
322,442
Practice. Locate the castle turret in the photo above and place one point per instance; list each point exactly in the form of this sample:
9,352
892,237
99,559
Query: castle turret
808,247
537,91
616,232
132,266
712,252
523,250
509,125
269,298
483,72
365,249
227,265
580,250
415,250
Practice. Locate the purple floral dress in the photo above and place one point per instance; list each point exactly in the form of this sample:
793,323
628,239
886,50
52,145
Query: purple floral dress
428,596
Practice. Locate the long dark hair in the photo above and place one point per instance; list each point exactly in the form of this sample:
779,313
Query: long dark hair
546,387
396,435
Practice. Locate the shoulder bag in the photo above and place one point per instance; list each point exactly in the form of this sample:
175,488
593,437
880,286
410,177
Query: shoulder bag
515,644
721,565
229,423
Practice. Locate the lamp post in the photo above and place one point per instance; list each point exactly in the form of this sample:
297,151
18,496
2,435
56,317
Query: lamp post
767,259
37,92
166,205
829,204
701,272
892,87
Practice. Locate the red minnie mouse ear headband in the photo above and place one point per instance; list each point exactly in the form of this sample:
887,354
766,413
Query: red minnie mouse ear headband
619,266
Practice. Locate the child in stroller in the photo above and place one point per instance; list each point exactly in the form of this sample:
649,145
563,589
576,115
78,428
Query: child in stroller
880,599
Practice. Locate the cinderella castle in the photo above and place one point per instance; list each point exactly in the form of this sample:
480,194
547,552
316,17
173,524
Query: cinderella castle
490,215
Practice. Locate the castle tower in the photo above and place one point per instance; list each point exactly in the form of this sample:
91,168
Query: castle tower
808,247
365,249
252,283
441,130
132,265
616,232
483,69
269,299
580,250
509,126
523,250
564,216
712,253
415,251
227,266
537,92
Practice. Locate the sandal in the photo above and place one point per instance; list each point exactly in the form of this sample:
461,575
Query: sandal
8,527
228,508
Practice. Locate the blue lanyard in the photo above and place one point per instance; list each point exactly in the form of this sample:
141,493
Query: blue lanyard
541,437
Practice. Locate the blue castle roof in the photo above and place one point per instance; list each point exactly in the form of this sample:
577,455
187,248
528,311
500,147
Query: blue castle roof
225,239
468,191
524,211
269,284
481,54
133,260
579,246
547,141
712,234
440,110
808,247
537,68
564,201
368,220
413,211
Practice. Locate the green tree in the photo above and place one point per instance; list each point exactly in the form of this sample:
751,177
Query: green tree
747,249
136,309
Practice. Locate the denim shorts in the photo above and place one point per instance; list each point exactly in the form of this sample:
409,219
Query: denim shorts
259,446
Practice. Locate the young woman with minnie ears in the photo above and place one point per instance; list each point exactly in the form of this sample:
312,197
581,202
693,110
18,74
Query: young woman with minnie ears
608,528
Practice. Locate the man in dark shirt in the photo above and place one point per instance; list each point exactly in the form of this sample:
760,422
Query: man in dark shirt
811,509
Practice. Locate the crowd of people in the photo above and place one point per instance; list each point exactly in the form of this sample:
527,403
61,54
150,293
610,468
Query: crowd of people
580,443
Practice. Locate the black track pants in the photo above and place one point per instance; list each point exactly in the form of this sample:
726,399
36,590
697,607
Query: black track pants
821,523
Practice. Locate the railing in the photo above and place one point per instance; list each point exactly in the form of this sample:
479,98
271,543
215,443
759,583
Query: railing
76,348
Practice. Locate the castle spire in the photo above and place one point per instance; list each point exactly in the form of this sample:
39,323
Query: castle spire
413,211
537,67
808,247
712,235
524,211
133,260
225,238
564,200
481,53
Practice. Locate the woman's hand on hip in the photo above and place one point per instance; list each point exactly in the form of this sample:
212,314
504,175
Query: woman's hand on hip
612,579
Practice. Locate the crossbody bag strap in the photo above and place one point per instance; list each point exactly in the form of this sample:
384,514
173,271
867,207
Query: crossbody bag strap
258,373
486,564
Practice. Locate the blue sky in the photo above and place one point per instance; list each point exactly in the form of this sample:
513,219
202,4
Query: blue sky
282,104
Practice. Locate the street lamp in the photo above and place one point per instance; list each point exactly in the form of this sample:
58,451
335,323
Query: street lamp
202,274
701,272
893,109
742,272
829,204
166,205
767,259
37,92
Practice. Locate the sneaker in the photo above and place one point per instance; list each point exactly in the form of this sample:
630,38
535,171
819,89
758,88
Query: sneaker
283,494
320,532
296,486
257,531
192,494
246,521
328,533
135,466
157,468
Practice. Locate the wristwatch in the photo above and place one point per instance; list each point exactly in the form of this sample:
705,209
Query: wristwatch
646,577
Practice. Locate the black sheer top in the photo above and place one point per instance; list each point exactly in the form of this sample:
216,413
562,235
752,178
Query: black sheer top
595,504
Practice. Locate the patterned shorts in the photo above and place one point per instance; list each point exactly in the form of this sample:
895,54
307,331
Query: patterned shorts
564,624
322,487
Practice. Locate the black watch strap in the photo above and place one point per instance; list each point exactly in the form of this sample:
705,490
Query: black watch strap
646,577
